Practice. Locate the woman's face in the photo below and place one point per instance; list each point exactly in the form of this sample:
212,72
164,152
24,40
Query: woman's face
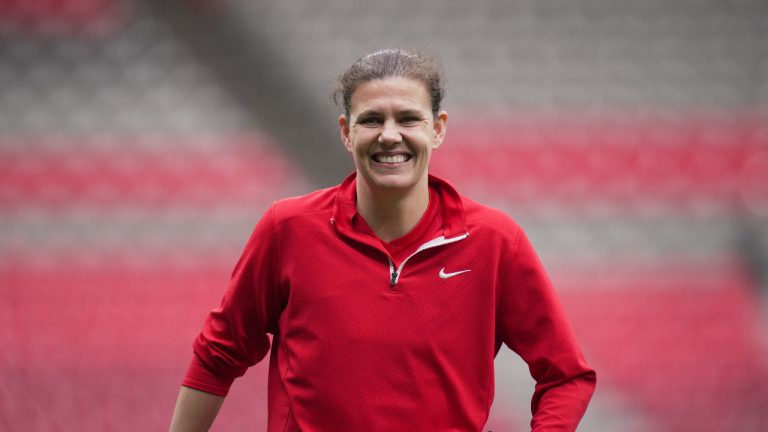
391,133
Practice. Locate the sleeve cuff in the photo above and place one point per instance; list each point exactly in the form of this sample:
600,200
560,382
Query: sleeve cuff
199,377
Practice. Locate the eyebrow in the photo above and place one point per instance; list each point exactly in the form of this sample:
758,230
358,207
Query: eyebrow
411,112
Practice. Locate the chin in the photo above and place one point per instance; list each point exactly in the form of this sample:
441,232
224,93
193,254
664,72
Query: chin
392,182
395,184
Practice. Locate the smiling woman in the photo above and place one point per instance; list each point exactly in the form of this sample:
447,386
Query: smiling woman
391,123
391,132
389,295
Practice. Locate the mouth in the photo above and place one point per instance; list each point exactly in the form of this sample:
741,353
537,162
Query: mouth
391,159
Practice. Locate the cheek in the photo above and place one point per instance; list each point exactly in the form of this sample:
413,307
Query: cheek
361,139
425,137
358,148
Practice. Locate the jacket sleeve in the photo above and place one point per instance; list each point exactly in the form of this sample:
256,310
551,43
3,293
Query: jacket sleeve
532,322
234,336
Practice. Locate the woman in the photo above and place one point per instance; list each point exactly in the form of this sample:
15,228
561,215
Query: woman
387,296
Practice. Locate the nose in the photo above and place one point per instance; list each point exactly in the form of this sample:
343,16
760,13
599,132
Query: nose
390,134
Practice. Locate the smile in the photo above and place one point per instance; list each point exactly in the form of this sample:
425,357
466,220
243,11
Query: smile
391,159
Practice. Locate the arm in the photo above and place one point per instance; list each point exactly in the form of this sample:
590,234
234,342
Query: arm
235,334
533,323
195,410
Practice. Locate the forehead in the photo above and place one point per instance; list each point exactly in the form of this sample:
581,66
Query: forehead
390,93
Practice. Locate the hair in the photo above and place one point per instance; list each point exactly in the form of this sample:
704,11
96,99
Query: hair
386,63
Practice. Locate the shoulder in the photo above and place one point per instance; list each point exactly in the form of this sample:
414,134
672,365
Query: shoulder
290,217
484,220
460,211
495,231
314,203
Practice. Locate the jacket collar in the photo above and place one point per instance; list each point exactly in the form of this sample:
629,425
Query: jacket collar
451,206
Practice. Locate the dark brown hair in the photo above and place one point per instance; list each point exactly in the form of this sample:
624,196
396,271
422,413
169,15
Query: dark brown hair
386,63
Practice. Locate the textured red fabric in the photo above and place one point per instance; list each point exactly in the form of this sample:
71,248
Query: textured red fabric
352,352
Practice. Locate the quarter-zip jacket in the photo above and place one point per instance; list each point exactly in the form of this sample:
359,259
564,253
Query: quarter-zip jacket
359,345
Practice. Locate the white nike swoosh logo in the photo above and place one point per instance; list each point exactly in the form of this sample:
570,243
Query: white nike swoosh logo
444,275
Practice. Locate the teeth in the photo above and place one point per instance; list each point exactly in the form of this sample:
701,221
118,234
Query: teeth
391,159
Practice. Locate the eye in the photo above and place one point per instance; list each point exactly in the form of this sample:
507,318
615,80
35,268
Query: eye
410,120
369,121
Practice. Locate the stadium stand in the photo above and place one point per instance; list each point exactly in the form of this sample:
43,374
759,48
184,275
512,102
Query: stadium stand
630,139
680,340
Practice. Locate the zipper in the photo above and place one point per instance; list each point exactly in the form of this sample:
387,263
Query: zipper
394,273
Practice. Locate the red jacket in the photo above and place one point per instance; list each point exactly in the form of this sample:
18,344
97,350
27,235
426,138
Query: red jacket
360,344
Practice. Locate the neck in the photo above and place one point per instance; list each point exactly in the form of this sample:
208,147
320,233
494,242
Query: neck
392,214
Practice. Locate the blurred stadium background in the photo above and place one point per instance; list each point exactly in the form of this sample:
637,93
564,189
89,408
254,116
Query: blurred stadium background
140,142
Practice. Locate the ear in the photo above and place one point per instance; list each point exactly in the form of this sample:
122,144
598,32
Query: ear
439,127
344,131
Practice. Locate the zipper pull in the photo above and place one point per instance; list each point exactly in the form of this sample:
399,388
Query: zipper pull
393,278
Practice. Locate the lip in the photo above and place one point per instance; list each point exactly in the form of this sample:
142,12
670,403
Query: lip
375,156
